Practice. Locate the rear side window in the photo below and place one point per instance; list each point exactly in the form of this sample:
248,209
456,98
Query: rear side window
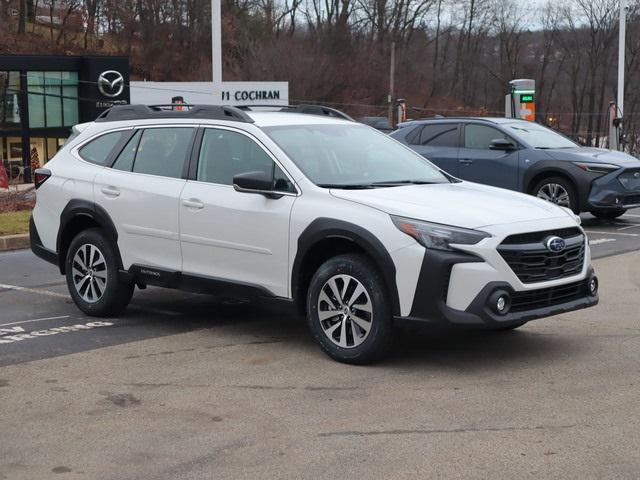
157,151
97,151
443,135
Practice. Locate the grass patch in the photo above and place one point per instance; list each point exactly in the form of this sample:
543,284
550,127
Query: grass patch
14,222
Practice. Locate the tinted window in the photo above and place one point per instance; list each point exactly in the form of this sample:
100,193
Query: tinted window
128,154
443,135
481,136
163,151
225,154
97,151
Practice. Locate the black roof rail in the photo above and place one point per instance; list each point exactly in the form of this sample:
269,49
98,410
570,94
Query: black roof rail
139,112
303,108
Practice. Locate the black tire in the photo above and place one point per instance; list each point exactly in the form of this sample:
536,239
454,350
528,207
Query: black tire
375,343
114,295
564,183
608,214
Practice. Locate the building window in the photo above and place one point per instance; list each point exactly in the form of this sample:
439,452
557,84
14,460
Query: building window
9,94
52,99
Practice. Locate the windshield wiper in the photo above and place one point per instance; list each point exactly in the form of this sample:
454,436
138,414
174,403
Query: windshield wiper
347,186
398,183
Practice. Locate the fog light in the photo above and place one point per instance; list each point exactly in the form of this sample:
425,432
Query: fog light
592,286
500,302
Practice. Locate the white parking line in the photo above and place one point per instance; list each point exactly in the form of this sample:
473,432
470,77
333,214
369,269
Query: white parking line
635,225
613,233
33,290
34,320
599,241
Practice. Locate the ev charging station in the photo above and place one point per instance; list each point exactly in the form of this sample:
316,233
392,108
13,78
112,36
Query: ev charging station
521,101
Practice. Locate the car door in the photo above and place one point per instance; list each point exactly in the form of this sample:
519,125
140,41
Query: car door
439,144
233,236
141,194
479,163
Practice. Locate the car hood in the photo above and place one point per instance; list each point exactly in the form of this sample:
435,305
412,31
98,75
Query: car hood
463,204
588,154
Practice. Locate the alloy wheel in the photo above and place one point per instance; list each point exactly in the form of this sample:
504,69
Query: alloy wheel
554,193
89,272
345,311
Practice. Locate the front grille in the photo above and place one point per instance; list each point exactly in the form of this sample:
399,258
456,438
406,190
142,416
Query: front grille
631,200
546,297
629,180
531,261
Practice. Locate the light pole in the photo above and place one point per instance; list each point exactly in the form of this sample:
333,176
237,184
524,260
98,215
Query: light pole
216,44
621,51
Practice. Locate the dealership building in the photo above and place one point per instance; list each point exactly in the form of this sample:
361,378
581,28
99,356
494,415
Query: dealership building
43,96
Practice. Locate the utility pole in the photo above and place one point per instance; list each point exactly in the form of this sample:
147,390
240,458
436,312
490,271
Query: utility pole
216,45
392,73
621,52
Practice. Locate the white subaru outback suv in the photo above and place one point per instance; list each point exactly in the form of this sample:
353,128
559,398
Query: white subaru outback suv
356,230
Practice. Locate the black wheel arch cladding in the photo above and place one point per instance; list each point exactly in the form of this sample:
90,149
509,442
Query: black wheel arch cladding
83,211
323,229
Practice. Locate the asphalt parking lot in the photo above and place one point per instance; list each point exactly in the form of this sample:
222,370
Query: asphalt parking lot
194,386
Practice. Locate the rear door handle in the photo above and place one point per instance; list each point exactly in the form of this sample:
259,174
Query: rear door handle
110,191
193,203
466,161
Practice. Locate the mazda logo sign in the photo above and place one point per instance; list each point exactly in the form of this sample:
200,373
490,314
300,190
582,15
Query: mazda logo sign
555,244
110,83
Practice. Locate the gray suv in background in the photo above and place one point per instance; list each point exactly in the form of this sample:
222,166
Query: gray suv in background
527,157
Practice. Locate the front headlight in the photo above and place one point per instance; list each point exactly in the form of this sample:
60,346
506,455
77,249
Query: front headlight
436,235
601,168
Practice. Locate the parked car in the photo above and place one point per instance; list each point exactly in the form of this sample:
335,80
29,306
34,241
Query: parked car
379,123
529,158
354,229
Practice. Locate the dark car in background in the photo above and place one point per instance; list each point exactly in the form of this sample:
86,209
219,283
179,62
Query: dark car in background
530,158
379,123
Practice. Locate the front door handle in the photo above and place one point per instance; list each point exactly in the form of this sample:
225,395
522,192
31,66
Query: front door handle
110,191
466,161
193,203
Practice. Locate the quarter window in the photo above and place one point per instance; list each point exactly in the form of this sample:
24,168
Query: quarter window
224,154
481,136
97,151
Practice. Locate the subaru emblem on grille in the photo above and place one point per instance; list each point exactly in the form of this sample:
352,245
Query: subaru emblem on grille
555,244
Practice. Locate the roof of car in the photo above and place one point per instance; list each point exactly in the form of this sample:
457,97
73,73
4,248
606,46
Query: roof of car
272,119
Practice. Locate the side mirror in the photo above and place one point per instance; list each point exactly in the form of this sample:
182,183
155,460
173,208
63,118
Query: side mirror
501,144
255,182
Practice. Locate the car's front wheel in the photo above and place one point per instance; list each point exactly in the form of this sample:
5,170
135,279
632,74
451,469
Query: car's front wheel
92,275
348,311
557,190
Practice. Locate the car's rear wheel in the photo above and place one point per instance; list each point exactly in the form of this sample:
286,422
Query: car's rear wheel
557,190
608,214
348,311
92,275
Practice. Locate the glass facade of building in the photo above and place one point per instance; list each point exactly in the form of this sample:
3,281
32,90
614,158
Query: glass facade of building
41,98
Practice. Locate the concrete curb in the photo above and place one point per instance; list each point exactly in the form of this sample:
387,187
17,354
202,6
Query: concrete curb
14,242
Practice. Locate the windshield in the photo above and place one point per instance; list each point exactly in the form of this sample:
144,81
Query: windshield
538,136
352,156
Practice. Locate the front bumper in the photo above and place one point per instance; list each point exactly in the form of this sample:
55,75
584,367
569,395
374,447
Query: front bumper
430,302
609,193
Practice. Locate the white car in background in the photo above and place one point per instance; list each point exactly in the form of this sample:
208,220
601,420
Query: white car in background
353,228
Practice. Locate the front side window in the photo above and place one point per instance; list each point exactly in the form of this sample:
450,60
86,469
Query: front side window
481,136
352,156
162,151
225,153
97,151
